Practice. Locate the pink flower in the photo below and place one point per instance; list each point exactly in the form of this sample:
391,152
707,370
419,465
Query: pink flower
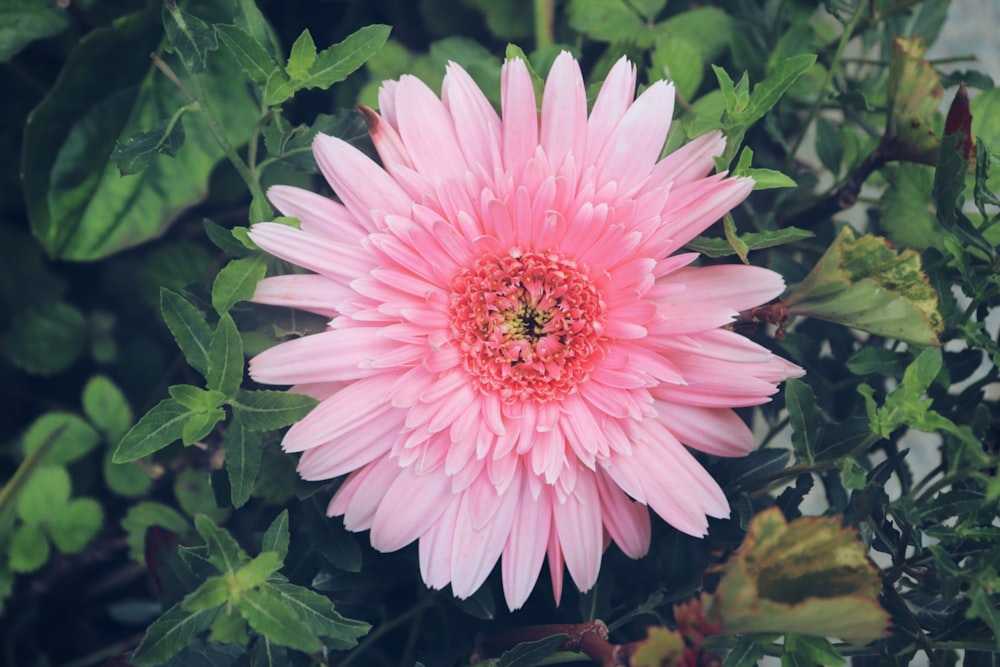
515,361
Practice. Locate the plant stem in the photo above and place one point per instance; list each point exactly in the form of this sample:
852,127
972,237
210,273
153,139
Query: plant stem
544,12
799,468
10,491
834,63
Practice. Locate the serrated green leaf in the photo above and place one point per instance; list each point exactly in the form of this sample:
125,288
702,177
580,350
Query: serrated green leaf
318,615
200,424
251,56
265,653
158,428
607,20
267,410
746,653
73,437
138,151
708,29
74,524
46,339
223,550
738,245
189,36
806,419
47,490
716,247
213,592
302,57
878,360
678,60
337,62
767,93
28,549
223,239
244,450
106,407
266,613
276,537
907,215
769,179
170,633
188,326
278,88
985,608
229,627
225,358
195,398
237,281
258,570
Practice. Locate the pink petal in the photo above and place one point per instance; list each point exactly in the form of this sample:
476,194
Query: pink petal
626,520
476,550
564,111
617,93
520,117
476,122
581,532
409,507
313,293
691,161
361,184
717,431
734,286
339,261
427,131
526,545
318,214
636,142
360,494
339,354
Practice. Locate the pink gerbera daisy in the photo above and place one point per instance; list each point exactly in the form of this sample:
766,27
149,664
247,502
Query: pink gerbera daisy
515,360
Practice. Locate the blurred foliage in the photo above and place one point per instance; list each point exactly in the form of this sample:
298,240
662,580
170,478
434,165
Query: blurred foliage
147,514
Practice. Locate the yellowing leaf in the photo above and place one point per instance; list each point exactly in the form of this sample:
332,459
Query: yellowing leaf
914,96
810,576
863,283
662,647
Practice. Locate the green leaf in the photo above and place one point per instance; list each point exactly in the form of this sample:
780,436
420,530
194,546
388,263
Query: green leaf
267,410
258,570
265,653
767,93
708,29
679,61
806,419
812,650
302,57
225,358
317,614
863,283
74,524
237,281
661,647
223,550
769,179
738,245
949,180
230,628
28,549
158,428
138,151
276,537
106,407
195,398
332,540
74,439
253,59
877,360
200,424
80,207
985,608
145,514
46,491
244,450
46,339
224,239
746,653
278,88
716,247
170,633
907,215
212,593
914,91
126,479
264,609
337,62
25,22
188,326
189,36
829,145
606,20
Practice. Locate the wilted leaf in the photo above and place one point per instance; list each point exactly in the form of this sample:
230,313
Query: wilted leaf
809,576
863,283
914,96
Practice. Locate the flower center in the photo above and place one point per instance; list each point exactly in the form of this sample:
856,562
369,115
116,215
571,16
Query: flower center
528,323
